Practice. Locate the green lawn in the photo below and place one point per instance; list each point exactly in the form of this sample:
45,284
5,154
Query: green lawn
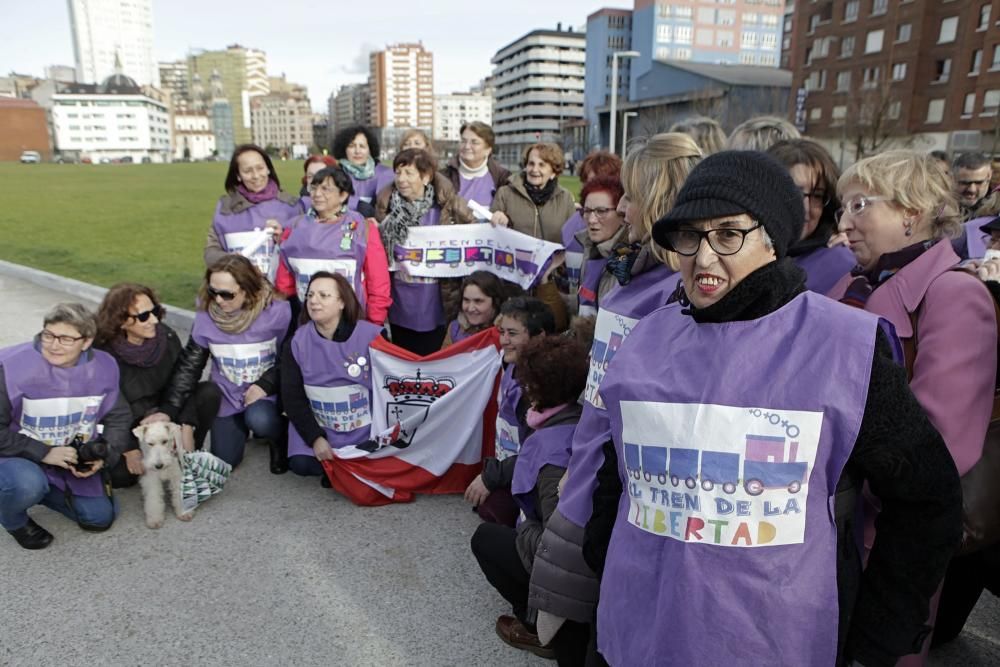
110,223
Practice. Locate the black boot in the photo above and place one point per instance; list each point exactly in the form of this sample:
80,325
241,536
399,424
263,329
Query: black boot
279,457
32,536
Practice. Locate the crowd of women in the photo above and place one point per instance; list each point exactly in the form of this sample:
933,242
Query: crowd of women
703,278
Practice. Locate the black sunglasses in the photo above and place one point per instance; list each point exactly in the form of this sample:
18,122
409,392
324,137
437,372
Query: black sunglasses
225,294
144,315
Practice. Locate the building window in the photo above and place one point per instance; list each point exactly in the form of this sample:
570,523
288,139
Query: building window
816,113
984,17
977,61
662,53
894,109
663,10
873,41
749,17
935,111
682,54
991,102
814,21
903,31
871,77
748,40
879,7
704,37
724,38
970,105
768,59
770,20
899,71
843,82
706,15
851,11
847,47
838,114
663,33
726,17
748,58
769,40
683,12
942,70
682,35
996,57
949,27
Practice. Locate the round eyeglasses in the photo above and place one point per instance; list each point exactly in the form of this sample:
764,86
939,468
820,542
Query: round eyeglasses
724,241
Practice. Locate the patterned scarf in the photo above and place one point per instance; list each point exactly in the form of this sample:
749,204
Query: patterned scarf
403,214
269,192
144,355
362,173
620,262
866,282
238,321
540,195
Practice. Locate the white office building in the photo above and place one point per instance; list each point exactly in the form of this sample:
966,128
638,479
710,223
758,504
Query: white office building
108,30
453,111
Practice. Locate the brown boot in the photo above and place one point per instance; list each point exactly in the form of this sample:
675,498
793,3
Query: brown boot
513,633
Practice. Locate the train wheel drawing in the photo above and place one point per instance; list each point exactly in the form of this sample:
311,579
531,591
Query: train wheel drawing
793,487
729,488
675,480
690,483
707,484
662,478
754,487
646,476
636,474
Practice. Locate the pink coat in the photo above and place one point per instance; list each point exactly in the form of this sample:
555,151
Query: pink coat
954,373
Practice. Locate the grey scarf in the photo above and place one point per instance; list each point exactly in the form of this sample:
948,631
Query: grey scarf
403,214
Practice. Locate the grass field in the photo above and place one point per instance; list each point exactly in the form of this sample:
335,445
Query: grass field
108,223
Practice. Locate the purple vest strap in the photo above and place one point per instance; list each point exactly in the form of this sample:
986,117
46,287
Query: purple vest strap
510,432
53,404
976,247
590,280
456,332
338,382
729,464
369,188
546,446
574,251
825,266
416,302
238,360
320,246
480,189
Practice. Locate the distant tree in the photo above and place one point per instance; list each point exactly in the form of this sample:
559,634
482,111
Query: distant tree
187,153
874,119
272,150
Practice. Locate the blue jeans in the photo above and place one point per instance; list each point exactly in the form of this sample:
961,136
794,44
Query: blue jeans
229,434
305,465
23,484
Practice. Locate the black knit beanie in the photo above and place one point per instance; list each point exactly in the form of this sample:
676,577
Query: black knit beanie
735,182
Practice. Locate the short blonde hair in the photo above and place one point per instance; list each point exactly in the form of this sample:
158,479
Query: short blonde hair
550,153
913,182
653,173
760,133
706,132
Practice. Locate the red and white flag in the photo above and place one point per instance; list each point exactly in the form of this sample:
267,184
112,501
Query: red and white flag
433,419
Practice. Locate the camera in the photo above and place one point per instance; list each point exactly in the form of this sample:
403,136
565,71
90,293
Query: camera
88,452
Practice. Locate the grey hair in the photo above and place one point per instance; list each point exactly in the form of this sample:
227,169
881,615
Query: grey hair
75,315
760,133
768,243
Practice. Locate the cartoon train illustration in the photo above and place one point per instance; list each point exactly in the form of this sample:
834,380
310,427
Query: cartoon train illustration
478,255
603,352
450,256
765,466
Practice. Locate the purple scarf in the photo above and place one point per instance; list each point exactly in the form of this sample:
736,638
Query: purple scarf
270,191
145,355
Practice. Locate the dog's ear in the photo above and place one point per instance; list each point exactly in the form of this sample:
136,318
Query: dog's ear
175,433
140,431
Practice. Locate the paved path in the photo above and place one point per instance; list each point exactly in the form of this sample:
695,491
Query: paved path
274,571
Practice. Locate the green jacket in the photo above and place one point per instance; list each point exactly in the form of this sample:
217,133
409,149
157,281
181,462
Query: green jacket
545,222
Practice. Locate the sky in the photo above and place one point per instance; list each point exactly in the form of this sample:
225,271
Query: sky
322,45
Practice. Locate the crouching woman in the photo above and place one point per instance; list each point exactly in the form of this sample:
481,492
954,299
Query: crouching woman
552,372
326,380
56,391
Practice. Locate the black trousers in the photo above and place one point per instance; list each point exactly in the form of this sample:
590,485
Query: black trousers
418,342
495,549
964,582
199,411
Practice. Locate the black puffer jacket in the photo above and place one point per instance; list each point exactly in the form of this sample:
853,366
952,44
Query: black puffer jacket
144,388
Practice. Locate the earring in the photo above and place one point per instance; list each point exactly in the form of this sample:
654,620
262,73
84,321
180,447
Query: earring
909,229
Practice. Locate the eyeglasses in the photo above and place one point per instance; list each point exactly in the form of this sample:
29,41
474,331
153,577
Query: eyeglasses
977,184
49,337
325,189
816,198
225,295
858,206
725,241
157,310
600,212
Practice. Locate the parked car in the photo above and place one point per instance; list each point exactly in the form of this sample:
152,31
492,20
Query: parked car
31,157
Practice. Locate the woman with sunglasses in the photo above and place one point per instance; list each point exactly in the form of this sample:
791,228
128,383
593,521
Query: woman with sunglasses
130,328
604,229
899,213
56,393
240,324
814,171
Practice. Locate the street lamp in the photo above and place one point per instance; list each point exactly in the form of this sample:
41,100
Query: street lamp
614,90
625,118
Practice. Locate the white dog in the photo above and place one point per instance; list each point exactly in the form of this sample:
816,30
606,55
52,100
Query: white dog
161,450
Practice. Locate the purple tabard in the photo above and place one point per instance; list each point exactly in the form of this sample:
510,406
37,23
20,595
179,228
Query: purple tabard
369,188
975,246
546,446
621,308
590,280
319,246
52,405
574,251
480,189
510,432
305,203
825,266
235,231
238,360
416,302
338,383
456,332
730,463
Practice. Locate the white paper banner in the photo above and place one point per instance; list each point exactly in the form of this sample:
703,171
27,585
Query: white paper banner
453,251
